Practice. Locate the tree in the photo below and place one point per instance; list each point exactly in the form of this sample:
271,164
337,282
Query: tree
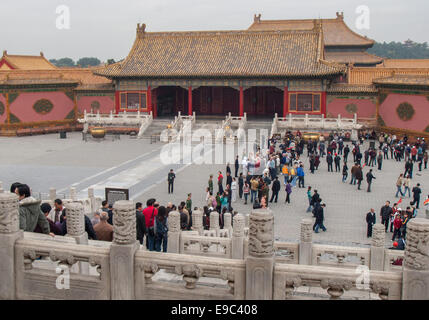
64,62
88,62
397,50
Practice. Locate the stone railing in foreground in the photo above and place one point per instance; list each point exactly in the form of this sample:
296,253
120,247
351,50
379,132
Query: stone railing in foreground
294,122
226,132
134,119
122,270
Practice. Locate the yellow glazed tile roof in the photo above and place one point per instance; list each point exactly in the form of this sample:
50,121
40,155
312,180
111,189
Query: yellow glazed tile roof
353,57
224,54
335,31
22,62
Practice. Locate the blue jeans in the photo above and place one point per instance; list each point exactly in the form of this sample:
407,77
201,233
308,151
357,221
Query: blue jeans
309,205
399,190
319,226
253,195
353,181
150,242
345,177
405,191
161,239
246,195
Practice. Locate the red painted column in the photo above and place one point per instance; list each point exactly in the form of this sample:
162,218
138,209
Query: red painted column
154,102
285,101
190,101
241,102
323,109
149,99
117,102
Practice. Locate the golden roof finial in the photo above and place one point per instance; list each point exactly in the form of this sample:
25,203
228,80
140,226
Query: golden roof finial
340,15
257,18
4,53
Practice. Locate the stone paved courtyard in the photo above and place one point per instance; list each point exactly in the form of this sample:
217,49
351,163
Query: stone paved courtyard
47,161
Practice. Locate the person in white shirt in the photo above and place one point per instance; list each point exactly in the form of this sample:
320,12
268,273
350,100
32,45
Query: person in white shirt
234,190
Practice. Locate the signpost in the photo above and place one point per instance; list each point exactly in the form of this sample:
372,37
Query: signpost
116,194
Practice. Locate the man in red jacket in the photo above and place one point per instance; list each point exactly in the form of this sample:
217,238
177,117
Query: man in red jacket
150,213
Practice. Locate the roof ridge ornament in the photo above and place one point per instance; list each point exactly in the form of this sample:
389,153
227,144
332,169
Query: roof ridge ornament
4,53
340,15
257,18
141,29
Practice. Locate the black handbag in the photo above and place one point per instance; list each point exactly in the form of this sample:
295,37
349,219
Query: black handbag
151,230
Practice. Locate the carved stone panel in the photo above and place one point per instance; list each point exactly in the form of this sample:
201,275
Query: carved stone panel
124,222
261,233
174,221
238,228
417,248
378,235
9,216
306,230
75,219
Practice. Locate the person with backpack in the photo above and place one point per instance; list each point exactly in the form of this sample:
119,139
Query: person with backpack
150,212
161,230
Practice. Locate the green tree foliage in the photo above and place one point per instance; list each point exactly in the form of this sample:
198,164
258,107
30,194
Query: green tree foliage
398,50
88,62
64,62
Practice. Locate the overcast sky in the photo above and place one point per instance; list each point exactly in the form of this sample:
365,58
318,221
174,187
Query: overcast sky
106,28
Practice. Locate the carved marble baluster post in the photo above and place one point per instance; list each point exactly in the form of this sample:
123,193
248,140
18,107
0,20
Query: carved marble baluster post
306,243
377,247
238,237
260,260
228,223
52,194
415,281
174,232
76,230
9,234
214,222
197,221
73,194
122,251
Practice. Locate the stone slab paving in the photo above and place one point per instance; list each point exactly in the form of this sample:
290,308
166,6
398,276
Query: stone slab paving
47,161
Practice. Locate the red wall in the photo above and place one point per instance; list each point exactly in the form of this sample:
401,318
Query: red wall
365,108
3,117
107,104
418,122
22,107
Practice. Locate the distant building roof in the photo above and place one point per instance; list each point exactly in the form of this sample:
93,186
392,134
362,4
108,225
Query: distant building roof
20,62
225,54
362,75
335,31
405,63
82,76
362,58
351,88
404,80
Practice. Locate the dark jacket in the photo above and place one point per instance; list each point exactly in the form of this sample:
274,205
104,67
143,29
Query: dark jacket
276,186
319,215
369,177
370,218
31,216
89,229
229,180
358,174
385,212
140,226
